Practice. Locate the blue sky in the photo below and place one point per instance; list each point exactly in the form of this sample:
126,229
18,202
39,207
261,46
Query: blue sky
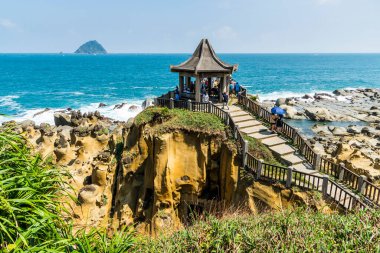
173,26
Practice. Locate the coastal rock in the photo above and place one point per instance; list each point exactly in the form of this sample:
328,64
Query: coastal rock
62,119
280,101
318,114
91,47
102,105
133,108
147,102
119,106
41,112
340,131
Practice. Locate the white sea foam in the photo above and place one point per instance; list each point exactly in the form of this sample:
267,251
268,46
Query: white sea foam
8,101
40,116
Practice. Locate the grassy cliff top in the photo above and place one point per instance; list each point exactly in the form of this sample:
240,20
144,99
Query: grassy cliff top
300,230
164,119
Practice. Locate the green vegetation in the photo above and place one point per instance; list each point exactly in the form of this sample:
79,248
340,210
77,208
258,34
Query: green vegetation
170,119
30,211
31,221
253,97
301,230
260,151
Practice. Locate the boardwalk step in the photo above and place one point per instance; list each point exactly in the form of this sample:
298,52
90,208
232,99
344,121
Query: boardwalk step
263,135
253,130
246,124
305,168
242,118
275,140
292,159
238,113
282,149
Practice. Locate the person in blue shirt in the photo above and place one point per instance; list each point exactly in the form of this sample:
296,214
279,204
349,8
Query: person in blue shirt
231,88
237,88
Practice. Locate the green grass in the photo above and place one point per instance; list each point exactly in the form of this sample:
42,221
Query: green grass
300,230
260,151
169,119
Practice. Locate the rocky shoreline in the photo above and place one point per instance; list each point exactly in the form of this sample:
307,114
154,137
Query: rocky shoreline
340,105
357,146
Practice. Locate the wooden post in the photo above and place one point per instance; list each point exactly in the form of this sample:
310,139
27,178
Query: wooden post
181,82
325,184
362,184
245,150
209,106
155,101
227,122
341,172
289,177
171,105
259,169
189,105
317,162
198,89
236,132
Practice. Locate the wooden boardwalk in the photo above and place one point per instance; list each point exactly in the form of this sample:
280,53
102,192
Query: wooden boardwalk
252,127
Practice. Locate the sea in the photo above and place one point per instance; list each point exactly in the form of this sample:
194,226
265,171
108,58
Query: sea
30,83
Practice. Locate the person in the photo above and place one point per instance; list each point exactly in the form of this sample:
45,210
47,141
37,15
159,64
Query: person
176,96
237,88
207,98
272,121
279,123
231,88
176,90
225,100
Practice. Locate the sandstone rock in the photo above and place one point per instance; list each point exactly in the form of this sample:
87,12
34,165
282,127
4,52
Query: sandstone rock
133,108
318,114
41,112
280,101
119,106
147,103
27,123
340,131
62,119
102,105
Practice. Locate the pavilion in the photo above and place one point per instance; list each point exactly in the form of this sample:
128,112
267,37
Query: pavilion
204,64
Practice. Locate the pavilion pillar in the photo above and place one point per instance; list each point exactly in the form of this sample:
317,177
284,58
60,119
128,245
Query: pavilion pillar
198,89
209,85
188,81
222,87
181,81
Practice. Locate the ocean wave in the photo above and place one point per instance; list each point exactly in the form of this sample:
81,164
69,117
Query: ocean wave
8,101
41,115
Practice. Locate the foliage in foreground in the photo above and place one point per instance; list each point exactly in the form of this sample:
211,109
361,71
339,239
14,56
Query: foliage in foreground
30,213
169,119
289,231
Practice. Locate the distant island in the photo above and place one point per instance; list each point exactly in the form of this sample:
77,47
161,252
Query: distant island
91,47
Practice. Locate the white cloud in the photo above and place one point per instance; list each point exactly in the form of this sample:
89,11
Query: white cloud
322,2
225,32
7,24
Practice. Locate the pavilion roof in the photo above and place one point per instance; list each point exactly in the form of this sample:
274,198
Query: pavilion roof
204,60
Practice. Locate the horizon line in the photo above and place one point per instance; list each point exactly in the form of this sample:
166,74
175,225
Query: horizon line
114,53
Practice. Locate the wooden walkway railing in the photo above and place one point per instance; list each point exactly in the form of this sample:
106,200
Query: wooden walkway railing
281,174
357,183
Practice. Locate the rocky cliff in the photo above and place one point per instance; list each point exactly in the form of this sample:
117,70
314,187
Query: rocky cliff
155,173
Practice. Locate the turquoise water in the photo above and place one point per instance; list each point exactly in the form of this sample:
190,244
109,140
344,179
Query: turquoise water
31,82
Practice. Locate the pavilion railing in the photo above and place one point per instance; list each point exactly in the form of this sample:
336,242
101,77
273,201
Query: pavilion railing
352,180
281,174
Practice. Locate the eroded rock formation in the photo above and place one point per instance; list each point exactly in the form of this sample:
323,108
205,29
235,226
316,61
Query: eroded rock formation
128,174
